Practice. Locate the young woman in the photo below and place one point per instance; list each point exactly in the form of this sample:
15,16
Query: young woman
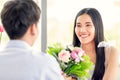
89,34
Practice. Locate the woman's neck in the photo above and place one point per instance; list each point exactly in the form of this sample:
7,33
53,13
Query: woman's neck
90,47
90,50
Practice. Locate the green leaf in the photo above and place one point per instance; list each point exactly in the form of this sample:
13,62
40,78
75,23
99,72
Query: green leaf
80,69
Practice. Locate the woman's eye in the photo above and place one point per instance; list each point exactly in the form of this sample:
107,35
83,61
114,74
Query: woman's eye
78,25
88,25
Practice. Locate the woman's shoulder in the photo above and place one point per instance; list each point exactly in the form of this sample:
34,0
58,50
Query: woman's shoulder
110,46
111,51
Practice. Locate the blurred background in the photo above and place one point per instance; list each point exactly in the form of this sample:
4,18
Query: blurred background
57,26
60,16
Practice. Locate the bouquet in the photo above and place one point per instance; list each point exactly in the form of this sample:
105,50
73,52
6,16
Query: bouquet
73,60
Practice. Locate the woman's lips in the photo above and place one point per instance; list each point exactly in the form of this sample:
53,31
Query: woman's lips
84,36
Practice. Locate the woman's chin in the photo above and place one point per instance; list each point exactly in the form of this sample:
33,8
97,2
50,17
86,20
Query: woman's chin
84,42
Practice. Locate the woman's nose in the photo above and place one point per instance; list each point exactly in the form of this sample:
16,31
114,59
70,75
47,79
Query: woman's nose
82,29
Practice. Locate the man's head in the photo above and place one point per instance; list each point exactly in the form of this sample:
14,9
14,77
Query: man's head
18,16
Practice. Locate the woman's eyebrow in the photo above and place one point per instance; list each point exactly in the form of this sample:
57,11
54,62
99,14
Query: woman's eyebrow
88,22
78,23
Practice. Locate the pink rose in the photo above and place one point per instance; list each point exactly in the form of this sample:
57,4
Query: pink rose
74,55
64,56
77,54
77,50
81,53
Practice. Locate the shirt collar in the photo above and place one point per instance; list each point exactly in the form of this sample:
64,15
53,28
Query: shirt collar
18,44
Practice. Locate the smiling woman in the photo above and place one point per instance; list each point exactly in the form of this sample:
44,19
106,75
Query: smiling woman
88,34
60,19
85,29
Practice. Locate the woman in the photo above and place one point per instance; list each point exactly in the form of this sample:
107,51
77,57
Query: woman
88,33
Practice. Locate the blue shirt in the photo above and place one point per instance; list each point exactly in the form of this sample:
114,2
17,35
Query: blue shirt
19,62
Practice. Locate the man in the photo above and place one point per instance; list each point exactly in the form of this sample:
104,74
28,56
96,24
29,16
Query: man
17,60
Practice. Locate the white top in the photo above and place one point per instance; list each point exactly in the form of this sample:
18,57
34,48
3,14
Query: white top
19,62
107,47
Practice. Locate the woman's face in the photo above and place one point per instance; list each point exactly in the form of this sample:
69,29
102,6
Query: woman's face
85,29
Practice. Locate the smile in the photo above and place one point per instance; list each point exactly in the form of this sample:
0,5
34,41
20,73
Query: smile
84,36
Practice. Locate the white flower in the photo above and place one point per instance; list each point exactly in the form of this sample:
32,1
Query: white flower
77,60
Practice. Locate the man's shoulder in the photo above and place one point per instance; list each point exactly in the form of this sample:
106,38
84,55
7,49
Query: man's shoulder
41,56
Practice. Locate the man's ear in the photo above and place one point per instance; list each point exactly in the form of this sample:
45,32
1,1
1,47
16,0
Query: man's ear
33,29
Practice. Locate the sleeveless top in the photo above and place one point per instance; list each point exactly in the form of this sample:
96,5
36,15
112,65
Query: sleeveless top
107,46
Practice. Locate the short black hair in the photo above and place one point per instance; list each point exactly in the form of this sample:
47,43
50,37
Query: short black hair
18,15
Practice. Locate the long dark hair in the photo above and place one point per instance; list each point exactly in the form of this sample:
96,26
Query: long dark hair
99,36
